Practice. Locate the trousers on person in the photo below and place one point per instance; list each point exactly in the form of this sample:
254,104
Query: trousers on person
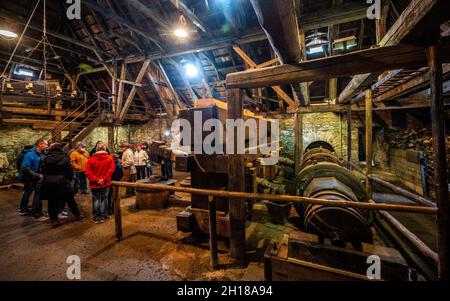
31,186
141,172
54,205
168,169
149,170
100,202
131,178
80,182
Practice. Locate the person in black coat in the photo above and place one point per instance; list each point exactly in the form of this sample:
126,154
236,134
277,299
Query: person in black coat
116,176
57,184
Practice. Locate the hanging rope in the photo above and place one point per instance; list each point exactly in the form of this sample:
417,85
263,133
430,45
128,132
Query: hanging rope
44,38
20,39
31,52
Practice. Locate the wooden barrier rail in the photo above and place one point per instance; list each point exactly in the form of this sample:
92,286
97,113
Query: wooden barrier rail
408,194
282,198
251,196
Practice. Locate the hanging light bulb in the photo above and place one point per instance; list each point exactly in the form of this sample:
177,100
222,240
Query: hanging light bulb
181,31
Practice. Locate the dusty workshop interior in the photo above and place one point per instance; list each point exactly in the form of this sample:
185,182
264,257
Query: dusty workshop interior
224,140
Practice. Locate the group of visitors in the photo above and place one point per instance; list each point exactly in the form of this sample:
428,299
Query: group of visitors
57,176
48,172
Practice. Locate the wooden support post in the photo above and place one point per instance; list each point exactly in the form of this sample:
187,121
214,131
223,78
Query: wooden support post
111,139
85,100
1,103
98,103
236,182
117,212
133,91
439,161
332,90
70,136
213,232
349,136
298,141
120,92
368,143
114,86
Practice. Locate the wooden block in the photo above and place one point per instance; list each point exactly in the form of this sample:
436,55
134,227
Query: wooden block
151,200
202,222
305,247
184,163
185,221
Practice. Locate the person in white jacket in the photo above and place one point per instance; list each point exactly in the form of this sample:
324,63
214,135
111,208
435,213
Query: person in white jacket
129,169
140,160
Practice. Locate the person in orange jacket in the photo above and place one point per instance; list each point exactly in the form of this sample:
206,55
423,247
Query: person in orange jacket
79,158
99,169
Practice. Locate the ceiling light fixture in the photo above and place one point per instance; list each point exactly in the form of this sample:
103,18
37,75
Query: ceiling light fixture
181,30
181,33
313,50
191,70
166,133
8,34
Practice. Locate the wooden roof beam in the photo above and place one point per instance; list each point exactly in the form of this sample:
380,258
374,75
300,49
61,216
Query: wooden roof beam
34,26
108,13
336,15
279,20
358,62
189,14
408,22
150,13
132,94
212,44
280,92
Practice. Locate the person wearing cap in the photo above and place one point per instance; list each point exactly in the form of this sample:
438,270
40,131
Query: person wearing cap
129,169
140,160
78,159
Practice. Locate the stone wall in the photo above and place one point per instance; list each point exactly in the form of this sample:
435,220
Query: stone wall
141,133
14,138
328,127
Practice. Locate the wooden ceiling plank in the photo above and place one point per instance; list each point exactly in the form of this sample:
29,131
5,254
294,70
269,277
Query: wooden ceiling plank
408,20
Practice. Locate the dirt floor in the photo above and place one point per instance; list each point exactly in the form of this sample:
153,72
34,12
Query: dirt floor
152,248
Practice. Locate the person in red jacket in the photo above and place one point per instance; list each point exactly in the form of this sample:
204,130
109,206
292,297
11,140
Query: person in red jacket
99,170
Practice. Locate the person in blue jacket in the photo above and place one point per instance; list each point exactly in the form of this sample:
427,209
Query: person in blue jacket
32,177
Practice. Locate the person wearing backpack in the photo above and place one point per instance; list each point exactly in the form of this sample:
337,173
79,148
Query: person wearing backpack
21,155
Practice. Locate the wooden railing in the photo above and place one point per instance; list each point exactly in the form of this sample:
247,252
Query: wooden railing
64,124
249,196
